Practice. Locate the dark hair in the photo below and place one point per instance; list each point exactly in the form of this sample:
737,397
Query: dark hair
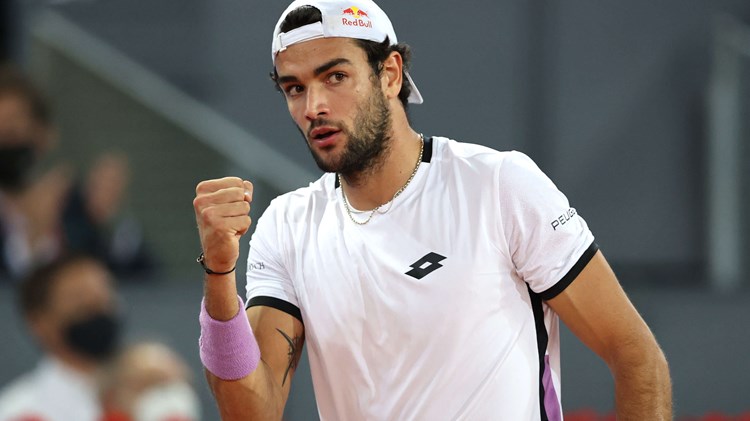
14,82
35,289
376,52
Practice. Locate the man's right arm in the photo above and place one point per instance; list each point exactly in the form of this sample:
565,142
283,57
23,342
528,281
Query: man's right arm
264,392
221,209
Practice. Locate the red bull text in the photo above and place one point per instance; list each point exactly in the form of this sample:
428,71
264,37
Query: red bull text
356,22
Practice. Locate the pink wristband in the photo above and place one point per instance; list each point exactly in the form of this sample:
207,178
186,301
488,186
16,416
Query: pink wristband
228,349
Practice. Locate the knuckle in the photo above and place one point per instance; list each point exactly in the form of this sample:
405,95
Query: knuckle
201,187
238,194
208,214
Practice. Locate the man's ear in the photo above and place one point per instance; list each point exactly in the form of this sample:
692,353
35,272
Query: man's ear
392,76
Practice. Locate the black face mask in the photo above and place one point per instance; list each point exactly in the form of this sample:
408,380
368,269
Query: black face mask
95,337
16,162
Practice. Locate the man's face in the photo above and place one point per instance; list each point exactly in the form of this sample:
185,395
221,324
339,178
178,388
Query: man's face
81,292
337,103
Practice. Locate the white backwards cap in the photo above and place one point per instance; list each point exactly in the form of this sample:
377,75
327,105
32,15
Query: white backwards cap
360,19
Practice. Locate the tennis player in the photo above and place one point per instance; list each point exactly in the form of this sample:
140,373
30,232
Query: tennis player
426,275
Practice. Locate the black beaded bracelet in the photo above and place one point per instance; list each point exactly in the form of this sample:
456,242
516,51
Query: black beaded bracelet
202,260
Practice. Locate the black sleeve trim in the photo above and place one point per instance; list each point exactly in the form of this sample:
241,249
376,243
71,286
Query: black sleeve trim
572,274
278,304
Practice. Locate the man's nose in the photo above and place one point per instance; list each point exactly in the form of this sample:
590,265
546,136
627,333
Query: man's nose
316,104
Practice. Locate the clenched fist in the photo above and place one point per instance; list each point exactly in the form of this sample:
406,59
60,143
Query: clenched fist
222,210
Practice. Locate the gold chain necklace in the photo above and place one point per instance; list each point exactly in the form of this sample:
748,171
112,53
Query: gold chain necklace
390,202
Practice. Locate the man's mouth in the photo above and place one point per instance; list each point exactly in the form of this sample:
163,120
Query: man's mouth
322,134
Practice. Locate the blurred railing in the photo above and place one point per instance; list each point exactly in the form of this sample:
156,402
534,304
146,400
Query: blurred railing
105,101
729,155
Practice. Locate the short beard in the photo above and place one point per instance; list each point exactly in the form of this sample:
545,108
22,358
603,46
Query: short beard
368,143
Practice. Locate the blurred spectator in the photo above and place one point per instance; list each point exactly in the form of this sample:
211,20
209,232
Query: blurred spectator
30,207
93,221
149,382
42,215
71,310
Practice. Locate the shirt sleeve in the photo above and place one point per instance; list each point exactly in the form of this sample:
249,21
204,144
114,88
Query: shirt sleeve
548,240
268,280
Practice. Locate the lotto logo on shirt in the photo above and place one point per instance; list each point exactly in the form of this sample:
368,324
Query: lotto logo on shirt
357,14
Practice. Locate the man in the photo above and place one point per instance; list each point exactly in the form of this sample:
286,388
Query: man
71,310
427,275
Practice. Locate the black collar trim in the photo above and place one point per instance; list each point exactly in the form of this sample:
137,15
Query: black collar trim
427,153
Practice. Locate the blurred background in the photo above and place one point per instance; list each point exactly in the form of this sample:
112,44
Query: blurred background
639,111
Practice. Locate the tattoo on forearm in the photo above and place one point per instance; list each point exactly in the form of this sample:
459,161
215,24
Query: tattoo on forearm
295,353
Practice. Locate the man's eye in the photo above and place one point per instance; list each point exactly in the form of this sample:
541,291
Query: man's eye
337,77
293,90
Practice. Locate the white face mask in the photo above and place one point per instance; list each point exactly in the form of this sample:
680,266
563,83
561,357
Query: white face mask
170,402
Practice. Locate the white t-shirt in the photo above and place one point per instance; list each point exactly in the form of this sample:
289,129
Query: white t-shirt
434,309
51,392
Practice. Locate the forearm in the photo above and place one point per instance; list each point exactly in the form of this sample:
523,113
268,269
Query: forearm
241,393
254,397
643,389
242,383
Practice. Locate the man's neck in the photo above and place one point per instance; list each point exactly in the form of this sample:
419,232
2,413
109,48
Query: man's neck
378,186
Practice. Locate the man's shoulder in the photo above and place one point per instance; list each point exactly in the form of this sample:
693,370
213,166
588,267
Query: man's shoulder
314,195
317,189
450,151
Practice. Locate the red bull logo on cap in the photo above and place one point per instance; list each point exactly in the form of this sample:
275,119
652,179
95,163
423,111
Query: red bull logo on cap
357,14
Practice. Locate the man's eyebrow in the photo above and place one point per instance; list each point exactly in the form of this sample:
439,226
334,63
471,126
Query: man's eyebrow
318,70
286,79
333,63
